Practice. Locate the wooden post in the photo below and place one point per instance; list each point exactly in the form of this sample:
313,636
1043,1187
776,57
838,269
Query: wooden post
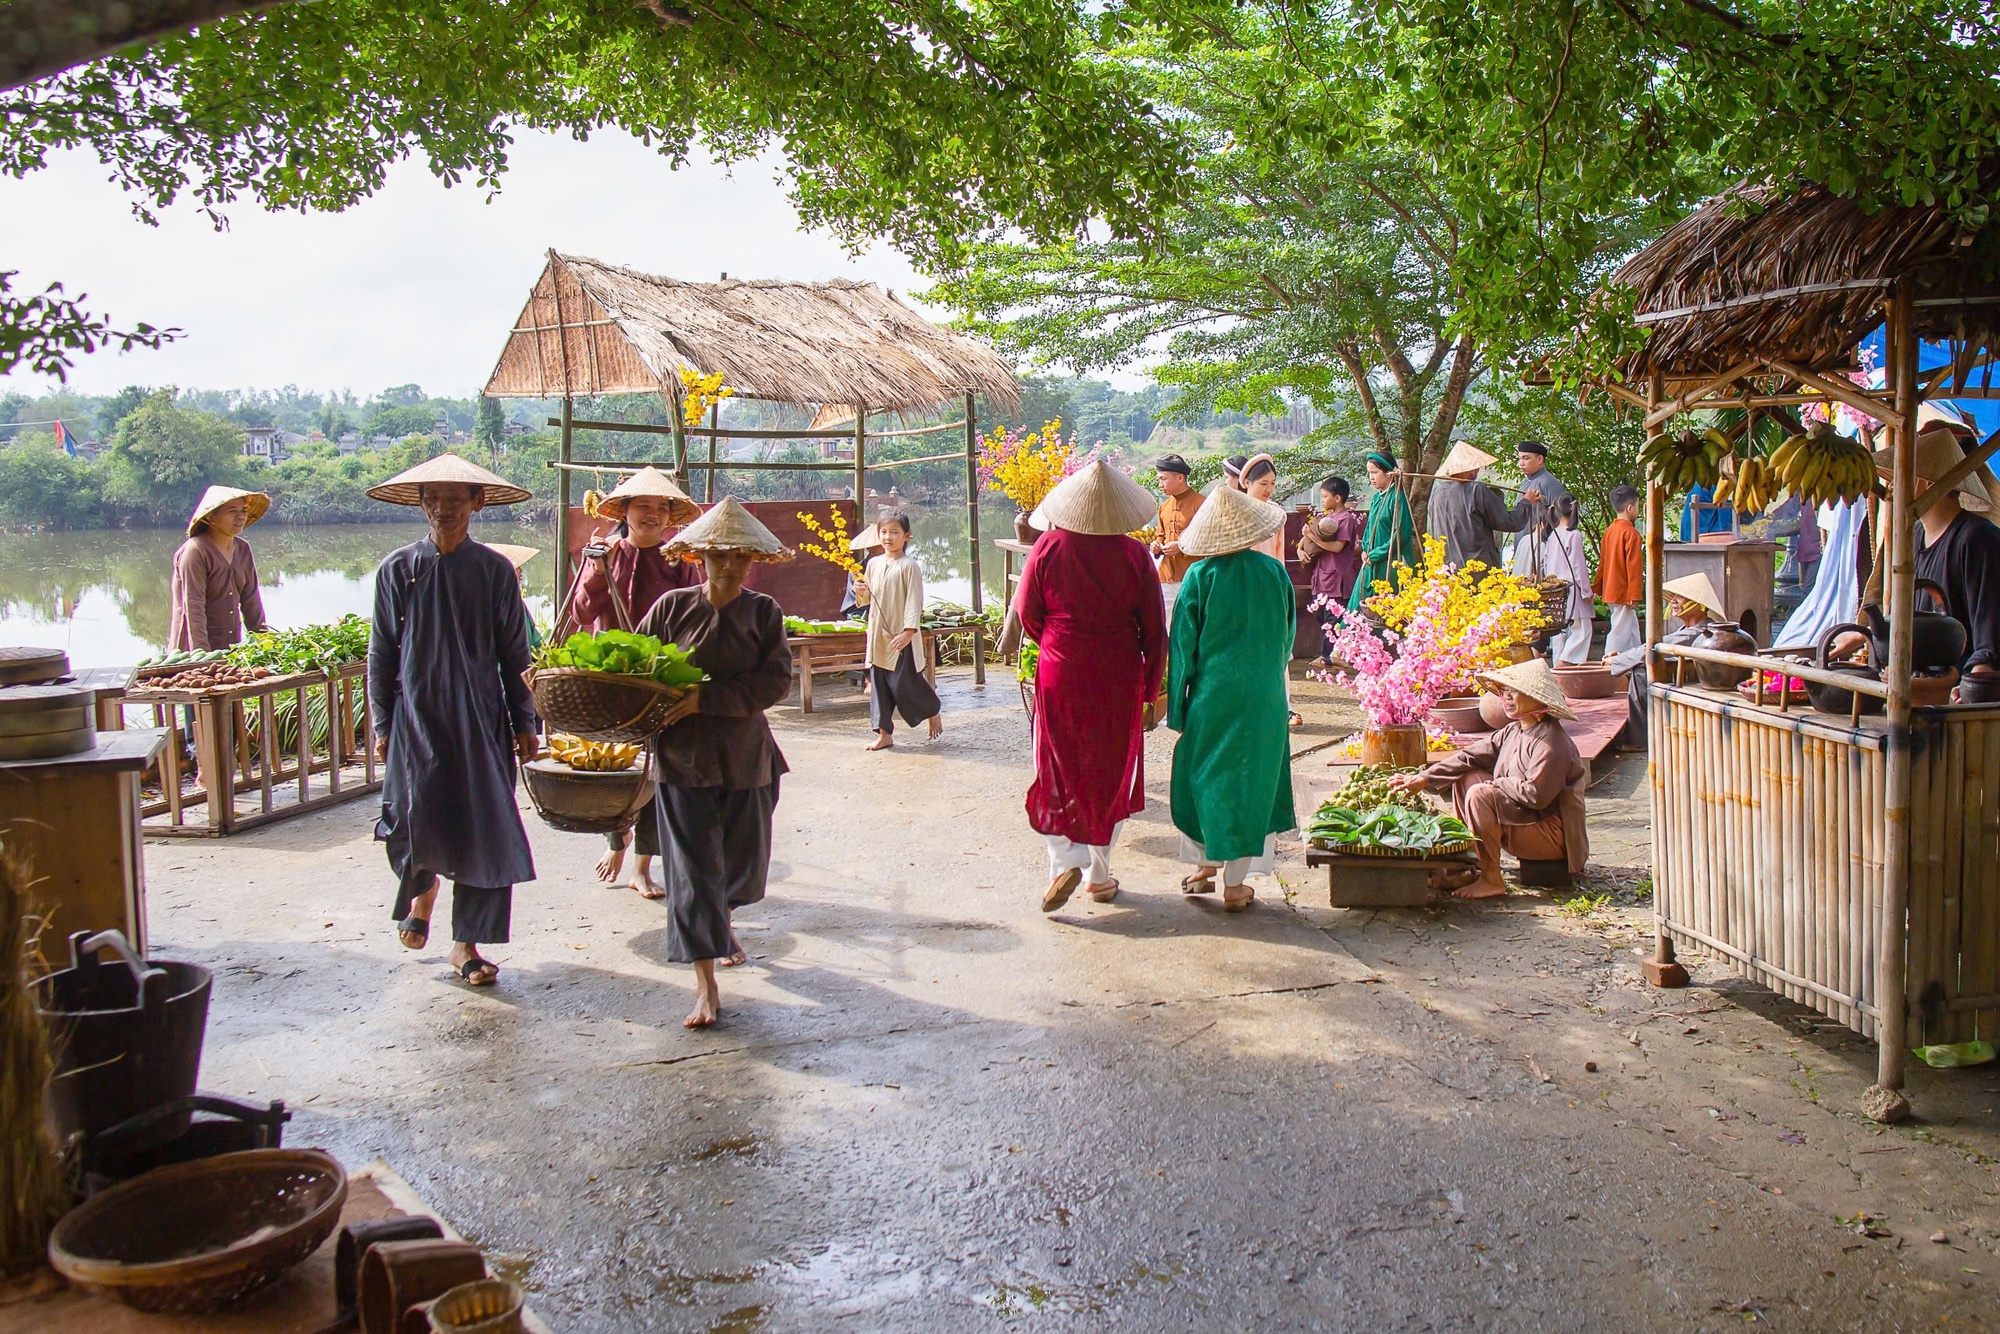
681,478
1661,970
714,425
1883,1102
861,519
972,518
562,510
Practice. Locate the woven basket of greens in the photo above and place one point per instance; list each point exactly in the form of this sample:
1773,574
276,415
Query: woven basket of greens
1388,831
610,686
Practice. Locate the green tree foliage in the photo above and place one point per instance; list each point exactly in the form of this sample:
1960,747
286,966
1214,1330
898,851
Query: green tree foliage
40,485
118,407
398,422
165,455
1541,118
491,427
900,118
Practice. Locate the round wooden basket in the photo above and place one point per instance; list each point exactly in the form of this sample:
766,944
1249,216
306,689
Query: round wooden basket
197,1236
601,706
587,801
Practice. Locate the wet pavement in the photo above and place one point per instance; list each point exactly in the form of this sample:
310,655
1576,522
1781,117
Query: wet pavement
928,1106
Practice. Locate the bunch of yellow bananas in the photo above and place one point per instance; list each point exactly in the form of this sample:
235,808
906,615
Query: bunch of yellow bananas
594,756
1692,458
1752,489
1823,466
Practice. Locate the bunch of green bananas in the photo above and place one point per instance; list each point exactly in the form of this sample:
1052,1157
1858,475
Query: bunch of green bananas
1752,489
1692,458
1824,466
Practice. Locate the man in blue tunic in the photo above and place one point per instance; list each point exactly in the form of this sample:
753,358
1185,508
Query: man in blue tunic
452,713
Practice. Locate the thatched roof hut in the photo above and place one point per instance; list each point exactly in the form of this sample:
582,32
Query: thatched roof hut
594,328
1799,274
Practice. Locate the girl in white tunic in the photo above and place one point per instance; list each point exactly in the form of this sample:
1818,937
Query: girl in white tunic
1564,557
893,592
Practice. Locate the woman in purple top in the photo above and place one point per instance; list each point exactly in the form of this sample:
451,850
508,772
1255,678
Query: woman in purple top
214,591
1330,547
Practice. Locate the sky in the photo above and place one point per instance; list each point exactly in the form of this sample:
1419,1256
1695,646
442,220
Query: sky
418,284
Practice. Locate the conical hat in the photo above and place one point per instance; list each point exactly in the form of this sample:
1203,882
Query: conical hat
729,527
867,539
1535,679
516,556
1230,520
216,497
1097,499
402,488
650,481
1938,452
1464,460
1697,587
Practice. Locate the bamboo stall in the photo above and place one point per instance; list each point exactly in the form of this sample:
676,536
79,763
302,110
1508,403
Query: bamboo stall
849,350
1851,864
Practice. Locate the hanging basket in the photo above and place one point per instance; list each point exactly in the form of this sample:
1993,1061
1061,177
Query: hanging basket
601,706
585,801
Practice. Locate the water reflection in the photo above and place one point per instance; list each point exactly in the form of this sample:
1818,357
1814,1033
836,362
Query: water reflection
102,596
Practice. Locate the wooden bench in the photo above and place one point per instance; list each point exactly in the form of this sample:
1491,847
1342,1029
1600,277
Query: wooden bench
843,651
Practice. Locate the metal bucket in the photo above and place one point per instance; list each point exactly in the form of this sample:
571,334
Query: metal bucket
126,1038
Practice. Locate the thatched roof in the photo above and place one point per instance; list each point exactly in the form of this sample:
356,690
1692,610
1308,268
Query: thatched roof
1800,275
593,328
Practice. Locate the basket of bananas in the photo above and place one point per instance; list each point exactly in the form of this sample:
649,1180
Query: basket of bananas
589,787
1823,466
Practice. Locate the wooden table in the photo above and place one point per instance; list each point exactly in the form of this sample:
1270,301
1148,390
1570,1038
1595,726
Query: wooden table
76,817
109,684
844,651
300,1302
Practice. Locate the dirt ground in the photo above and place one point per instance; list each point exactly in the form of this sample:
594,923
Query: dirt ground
929,1106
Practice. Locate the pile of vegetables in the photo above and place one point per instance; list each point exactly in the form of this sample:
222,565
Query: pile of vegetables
957,616
187,657
212,674
622,653
1396,828
309,648
798,625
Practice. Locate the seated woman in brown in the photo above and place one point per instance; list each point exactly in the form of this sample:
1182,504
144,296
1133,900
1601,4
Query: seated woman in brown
1518,789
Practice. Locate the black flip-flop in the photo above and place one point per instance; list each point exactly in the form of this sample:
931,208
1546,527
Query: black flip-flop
473,965
419,927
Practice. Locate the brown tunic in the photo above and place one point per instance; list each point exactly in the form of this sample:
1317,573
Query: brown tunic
213,596
748,658
1536,768
1176,512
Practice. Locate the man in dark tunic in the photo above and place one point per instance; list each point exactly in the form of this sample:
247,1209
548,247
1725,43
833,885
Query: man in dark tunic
1958,549
1466,512
446,652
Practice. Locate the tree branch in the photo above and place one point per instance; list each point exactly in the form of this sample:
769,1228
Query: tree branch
44,37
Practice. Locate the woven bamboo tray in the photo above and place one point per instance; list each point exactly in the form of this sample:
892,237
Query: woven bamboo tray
1414,854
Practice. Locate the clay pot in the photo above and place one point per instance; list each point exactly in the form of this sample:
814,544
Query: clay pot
1589,680
1460,713
1493,708
1724,637
1517,653
1024,532
1400,744
1930,692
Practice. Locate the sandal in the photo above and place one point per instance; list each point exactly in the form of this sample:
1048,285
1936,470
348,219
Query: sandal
1297,719
737,956
1061,888
1103,893
1198,884
420,927
474,965
1237,905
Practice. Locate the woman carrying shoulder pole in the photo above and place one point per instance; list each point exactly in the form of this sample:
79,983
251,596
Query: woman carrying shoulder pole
893,592
715,760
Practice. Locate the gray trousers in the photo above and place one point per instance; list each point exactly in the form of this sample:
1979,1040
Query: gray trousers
715,858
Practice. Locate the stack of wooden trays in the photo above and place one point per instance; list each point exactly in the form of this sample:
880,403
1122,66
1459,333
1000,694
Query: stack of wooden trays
29,666
42,722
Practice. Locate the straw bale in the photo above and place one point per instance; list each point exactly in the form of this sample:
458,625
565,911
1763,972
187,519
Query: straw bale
593,328
1759,239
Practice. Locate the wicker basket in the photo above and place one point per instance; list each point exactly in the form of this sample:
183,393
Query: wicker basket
584,801
197,1236
601,706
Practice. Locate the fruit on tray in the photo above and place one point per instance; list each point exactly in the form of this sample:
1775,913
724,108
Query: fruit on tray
1368,787
1823,466
593,756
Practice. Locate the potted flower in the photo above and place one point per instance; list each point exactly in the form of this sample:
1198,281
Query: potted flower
1025,468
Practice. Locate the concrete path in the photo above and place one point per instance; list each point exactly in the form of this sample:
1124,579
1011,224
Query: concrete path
929,1107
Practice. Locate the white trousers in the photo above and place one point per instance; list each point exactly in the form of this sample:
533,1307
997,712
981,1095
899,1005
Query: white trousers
1235,869
1094,860
1624,631
1573,644
1168,592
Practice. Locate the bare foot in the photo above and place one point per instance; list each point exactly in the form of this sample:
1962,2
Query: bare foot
643,884
609,865
1482,888
936,726
707,997
882,741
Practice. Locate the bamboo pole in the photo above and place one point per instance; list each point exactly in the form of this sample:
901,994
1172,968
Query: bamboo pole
1882,1102
714,425
861,518
1661,971
568,424
972,527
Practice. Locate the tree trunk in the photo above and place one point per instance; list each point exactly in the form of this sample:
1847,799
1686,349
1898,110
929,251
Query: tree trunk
1437,440
44,37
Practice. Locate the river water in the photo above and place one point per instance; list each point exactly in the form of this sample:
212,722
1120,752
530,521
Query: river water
102,596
